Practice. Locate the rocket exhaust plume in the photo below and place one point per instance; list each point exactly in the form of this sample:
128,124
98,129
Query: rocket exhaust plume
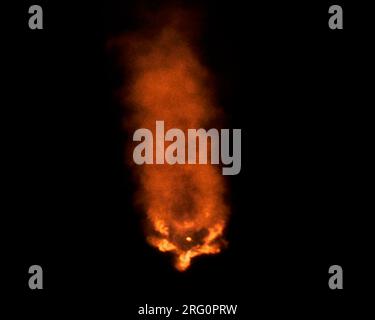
184,204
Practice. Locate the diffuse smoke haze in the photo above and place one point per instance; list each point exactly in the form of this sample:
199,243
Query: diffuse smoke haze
184,204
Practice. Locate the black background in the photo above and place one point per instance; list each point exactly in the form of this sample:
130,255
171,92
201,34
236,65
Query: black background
299,91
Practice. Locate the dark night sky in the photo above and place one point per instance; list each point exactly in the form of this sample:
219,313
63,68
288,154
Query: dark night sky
298,92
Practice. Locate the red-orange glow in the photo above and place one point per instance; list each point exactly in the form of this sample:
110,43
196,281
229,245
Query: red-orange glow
184,204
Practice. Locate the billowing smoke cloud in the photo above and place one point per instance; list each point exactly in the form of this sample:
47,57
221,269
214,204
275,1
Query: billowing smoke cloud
183,203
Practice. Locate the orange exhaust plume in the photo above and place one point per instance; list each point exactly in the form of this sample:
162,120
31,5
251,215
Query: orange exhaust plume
184,203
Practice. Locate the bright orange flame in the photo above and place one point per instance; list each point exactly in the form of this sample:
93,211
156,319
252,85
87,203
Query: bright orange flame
184,204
